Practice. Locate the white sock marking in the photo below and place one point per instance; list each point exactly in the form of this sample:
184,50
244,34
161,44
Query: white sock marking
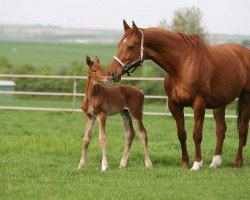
104,168
197,165
217,160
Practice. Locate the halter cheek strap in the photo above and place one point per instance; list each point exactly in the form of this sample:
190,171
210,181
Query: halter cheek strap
119,61
131,67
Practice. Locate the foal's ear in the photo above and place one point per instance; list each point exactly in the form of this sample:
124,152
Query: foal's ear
97,60
135,27
125,25
89,61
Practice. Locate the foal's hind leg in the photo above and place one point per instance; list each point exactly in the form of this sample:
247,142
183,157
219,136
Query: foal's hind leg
129,136
242,127
221,127
144,141
137,115
89,123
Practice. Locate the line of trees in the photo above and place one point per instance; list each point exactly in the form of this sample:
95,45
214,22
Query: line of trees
188,20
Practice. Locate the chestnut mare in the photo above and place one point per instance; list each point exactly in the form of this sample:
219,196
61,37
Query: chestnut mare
198,76
101,102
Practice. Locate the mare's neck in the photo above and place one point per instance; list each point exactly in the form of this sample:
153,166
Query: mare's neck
165,48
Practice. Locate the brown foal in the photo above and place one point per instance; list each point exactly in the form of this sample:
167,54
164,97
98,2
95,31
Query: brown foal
101,102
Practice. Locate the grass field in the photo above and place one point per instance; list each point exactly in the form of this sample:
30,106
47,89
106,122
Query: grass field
40,151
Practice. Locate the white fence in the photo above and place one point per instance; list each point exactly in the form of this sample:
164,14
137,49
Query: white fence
74,94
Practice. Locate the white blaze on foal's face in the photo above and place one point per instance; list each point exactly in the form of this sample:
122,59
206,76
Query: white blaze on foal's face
124,40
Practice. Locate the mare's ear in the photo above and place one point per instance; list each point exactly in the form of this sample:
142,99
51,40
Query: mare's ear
89,61
125,25
136,29
97,60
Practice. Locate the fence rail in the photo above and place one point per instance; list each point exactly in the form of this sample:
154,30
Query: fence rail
74,93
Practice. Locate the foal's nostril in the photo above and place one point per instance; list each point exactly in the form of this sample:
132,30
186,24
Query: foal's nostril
113,75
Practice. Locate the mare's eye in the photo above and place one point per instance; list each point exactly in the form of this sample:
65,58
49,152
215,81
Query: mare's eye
130,47
94,70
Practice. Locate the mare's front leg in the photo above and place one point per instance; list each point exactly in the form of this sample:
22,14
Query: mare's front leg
221,127
102,139
129,136
177,112
199,107
89,124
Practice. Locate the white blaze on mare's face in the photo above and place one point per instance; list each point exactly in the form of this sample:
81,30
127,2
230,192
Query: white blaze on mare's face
124,40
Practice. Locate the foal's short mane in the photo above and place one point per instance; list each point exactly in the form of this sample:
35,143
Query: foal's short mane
193,39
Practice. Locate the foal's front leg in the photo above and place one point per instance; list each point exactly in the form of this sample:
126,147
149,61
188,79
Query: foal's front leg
102,139
89,124
199,114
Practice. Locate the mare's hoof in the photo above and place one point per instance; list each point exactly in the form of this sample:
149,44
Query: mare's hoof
238,163
196,165
217,160
184,164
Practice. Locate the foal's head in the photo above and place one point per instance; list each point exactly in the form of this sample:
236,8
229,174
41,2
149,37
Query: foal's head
129,50
97,73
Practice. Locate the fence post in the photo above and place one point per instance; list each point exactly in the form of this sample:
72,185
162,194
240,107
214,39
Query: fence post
167,109
74,93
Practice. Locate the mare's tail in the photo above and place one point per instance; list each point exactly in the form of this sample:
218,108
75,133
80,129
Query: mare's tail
238,112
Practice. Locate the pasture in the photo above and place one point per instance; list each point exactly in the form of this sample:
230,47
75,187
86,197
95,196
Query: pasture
40,151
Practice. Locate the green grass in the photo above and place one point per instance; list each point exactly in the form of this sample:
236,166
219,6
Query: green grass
54,54
40,151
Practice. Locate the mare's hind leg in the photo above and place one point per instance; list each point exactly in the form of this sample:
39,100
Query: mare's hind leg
178,115
221,127
244,112
129,136
89,123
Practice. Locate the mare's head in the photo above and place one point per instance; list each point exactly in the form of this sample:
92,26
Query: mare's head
129,53
97,73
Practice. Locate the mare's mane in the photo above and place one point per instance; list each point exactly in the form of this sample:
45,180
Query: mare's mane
193,40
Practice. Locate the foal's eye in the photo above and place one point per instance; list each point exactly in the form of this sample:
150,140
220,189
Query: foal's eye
94,70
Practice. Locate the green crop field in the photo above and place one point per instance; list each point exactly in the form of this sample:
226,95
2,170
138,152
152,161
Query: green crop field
40,151
54,54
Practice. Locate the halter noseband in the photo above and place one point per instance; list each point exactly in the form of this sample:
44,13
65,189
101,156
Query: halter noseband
131,67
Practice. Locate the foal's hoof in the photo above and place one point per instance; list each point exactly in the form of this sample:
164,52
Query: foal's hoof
104,168
81,165
238,163
122,165
148,164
